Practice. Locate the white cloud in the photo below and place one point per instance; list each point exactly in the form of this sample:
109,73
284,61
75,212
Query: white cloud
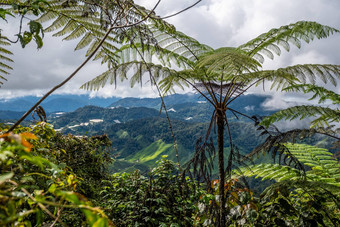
277,102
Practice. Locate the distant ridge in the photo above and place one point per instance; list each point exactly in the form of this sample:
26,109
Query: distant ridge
180,106
55,103
156,102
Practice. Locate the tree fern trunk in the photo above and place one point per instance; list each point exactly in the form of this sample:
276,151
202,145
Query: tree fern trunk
220,132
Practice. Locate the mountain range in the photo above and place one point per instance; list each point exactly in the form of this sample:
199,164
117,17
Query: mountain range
138,127
55,103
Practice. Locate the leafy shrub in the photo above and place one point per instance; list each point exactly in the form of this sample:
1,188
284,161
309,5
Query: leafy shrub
164,198
241,206
309,198
34,188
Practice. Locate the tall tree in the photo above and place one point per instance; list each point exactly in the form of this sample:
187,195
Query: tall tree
219,75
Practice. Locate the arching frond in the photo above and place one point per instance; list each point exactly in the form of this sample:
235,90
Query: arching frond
324,167
271,42
139,70
228,62
70,22
4,59
291,75
181,44
273,172
324,115
167,47
322,93
180,79
88,20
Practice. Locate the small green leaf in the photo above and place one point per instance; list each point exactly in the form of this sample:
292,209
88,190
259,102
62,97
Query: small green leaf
38,41
6,176
3,13
35,27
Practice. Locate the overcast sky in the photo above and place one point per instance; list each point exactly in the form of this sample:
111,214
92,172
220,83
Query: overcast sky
214,22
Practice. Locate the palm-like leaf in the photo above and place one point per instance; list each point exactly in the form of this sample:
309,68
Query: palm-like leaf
229,62
271,42
324,115
4,59
236,63
324,168
167,48
120,72
318,91
89,20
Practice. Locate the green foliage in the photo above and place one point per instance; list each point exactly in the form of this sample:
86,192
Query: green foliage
323,167
271,42
301,198
34,187
88,22
241,206
318,91
165,198
35,32
3,13
199,62
323,115
87,157
298,203
4,58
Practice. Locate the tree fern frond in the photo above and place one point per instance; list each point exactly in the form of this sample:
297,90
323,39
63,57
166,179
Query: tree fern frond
68,28
285,35
322,93
5,66
312,71
228,61
4,59
85,41
92,47
140,68
76,33
275,141
324,167
48,16
58,23
79,20
326,114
